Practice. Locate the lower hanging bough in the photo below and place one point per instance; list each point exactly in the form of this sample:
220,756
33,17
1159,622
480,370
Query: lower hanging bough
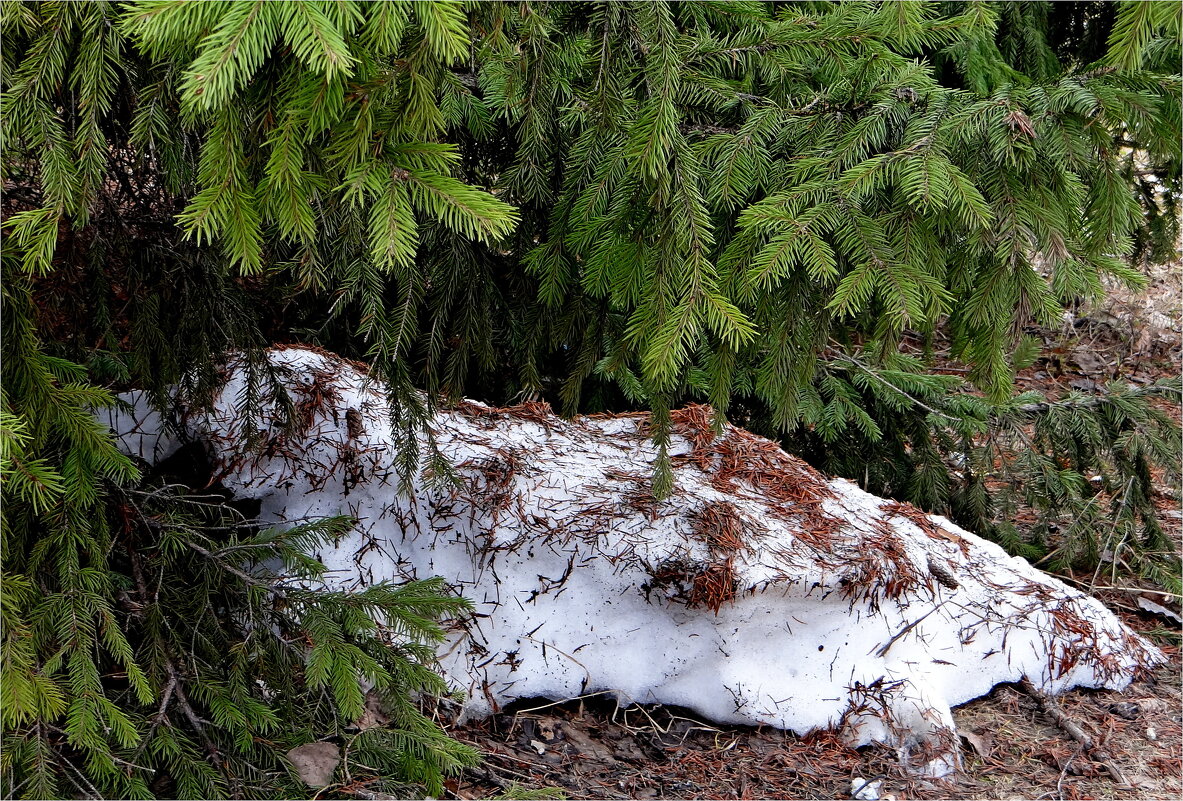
758,592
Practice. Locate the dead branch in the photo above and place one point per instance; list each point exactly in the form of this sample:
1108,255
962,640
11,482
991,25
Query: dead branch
1073,730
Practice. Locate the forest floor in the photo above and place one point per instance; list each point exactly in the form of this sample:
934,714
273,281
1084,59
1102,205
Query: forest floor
591,749
1011,747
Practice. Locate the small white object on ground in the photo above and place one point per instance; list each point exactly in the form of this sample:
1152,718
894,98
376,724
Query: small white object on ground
864,790
758,592
1150,606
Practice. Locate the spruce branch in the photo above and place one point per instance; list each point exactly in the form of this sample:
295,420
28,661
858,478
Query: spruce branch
1166,389
875,375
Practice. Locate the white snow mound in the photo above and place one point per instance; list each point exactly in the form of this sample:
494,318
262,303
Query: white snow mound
759,592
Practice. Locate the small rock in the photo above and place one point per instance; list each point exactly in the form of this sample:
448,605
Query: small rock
538,746
863,790
1125,709
1151,734
315,762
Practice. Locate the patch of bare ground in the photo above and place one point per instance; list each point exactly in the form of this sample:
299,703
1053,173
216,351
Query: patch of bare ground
1132,335
1147,321
1024,754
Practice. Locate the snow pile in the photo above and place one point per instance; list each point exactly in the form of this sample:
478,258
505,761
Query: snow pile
759,592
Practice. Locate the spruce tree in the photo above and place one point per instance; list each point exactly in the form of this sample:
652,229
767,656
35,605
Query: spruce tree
778,208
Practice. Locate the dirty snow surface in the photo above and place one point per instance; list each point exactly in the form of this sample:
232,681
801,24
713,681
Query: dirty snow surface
759,592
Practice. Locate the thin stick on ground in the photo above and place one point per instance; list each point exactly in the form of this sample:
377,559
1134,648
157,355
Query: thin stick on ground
1073,730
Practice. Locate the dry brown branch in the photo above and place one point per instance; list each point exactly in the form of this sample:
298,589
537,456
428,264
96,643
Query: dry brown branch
1072,729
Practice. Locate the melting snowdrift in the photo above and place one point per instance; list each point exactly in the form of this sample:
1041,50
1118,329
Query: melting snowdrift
759,592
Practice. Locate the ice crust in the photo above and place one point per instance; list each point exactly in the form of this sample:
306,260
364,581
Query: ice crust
759,592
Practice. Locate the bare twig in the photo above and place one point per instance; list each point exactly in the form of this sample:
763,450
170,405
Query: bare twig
1053,711
247,577
1073,730
887,646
